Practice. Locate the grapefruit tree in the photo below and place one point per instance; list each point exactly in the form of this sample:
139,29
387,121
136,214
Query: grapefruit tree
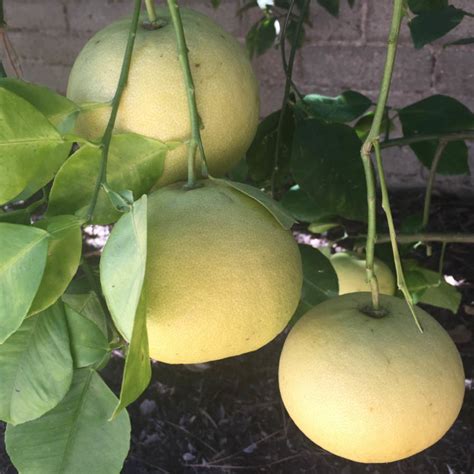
199,268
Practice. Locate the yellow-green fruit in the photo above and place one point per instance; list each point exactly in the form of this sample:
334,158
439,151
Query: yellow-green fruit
370,390
222,278
154,102
352,276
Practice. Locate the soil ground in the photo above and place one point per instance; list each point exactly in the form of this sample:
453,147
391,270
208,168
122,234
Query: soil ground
227,416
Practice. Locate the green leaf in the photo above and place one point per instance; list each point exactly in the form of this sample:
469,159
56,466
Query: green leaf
431,25
88,305
89,345
319,280
332,6
363,125
261,37
23,253
122,267
64,254
438,114
301,206
76,436
20,216
273,207
422,6
429,287
59,110
322,227
443,295
122,272
342,108
31,149
137,372
459,42
35,367
215,3
326,164
291,34
135,163
261,154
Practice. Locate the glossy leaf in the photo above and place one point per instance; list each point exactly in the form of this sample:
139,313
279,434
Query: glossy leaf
272,206
261,154
429,287
436,115
422,6
432,25
31,149
326,164
76,436
59,110
64,254
35,367
332,6
137,372
122,272
301,206
459,42
23,253
261,37
342,108
135,163
319,280
88,305
122,266
89,345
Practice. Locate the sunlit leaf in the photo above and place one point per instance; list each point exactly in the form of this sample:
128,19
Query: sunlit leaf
31,149
23,253
135,163
35,367
64,254
76,437
59,110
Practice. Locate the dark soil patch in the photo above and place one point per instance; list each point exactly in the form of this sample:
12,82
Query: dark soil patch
227,416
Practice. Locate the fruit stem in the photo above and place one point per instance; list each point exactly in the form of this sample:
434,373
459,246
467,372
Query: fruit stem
150,10
393,235
107,137
373,138
431,178
288,83
195,142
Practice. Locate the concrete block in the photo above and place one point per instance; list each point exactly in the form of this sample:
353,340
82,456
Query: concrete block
361,68
347,27
35,15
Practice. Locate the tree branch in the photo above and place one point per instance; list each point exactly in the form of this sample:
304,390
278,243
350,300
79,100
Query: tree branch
107,137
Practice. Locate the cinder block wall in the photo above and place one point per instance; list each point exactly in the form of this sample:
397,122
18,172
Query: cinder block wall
339,54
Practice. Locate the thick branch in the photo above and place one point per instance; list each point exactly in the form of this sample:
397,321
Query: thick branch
289,72
196,141
107,137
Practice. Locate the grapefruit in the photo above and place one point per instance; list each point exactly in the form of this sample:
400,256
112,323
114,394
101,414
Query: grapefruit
222,278
351,274
367,389
154,101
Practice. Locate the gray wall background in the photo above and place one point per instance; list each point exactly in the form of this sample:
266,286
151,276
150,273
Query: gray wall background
339,54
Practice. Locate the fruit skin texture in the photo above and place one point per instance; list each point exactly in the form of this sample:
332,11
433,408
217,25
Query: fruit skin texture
223,277
370,390
154,101
351,274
